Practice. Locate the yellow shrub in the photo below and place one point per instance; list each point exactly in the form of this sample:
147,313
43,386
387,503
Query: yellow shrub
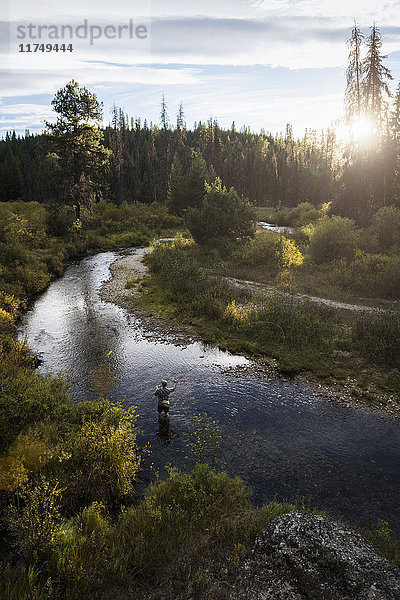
290,254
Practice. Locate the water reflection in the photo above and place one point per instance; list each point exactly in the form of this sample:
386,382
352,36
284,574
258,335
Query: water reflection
279,436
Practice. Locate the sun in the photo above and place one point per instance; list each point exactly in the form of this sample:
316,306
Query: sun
359,130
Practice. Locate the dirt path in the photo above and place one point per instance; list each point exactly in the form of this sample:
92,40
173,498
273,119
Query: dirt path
254,286
131,267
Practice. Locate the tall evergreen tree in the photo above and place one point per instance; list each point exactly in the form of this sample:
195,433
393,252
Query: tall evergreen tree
77,142
354,75
10,177
395,137
176,197
375,87
121,161
197,176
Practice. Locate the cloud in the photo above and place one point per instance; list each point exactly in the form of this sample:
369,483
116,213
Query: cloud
296,41
191,57
22,80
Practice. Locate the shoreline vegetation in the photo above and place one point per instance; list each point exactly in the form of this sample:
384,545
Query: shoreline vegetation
322,346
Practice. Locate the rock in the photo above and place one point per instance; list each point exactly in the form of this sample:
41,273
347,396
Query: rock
302,556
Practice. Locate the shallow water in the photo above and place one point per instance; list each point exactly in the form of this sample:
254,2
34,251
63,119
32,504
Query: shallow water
280,437
276,228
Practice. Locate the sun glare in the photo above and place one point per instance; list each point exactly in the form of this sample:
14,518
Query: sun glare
360,130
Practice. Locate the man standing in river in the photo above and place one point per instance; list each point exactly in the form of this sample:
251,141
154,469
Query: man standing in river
162,394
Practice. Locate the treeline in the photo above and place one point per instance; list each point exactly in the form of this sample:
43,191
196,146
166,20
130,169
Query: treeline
268,169
133,161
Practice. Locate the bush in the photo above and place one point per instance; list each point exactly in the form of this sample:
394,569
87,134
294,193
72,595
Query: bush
300,215
333,238
173,527
377,337
370,274
222,219
85,552
179,270
34,518
389,278
386,226
27,397
262,251
104,460
268,251
183,527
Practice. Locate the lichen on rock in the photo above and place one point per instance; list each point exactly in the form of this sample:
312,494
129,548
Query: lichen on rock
303,556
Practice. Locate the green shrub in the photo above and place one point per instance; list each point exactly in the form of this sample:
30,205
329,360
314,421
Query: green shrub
27,397
333,238
369,274
386,226
222,219
377,336
85,554
300,215
389,278
179,270
262,251
177,520
382,537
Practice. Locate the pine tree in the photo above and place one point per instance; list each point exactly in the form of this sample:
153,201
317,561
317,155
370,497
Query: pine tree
222,219
197,176
77,142
354,75
180,119
10,177
395,138
163,114
176,196
375,88
121,161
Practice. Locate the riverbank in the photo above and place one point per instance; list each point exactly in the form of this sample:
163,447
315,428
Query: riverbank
126,288
134,288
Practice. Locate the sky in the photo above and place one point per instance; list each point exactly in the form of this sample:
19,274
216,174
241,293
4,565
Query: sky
260,63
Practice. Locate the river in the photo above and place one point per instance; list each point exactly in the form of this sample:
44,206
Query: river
286,441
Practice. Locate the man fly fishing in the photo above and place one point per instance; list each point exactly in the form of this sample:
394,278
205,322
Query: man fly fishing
162,393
